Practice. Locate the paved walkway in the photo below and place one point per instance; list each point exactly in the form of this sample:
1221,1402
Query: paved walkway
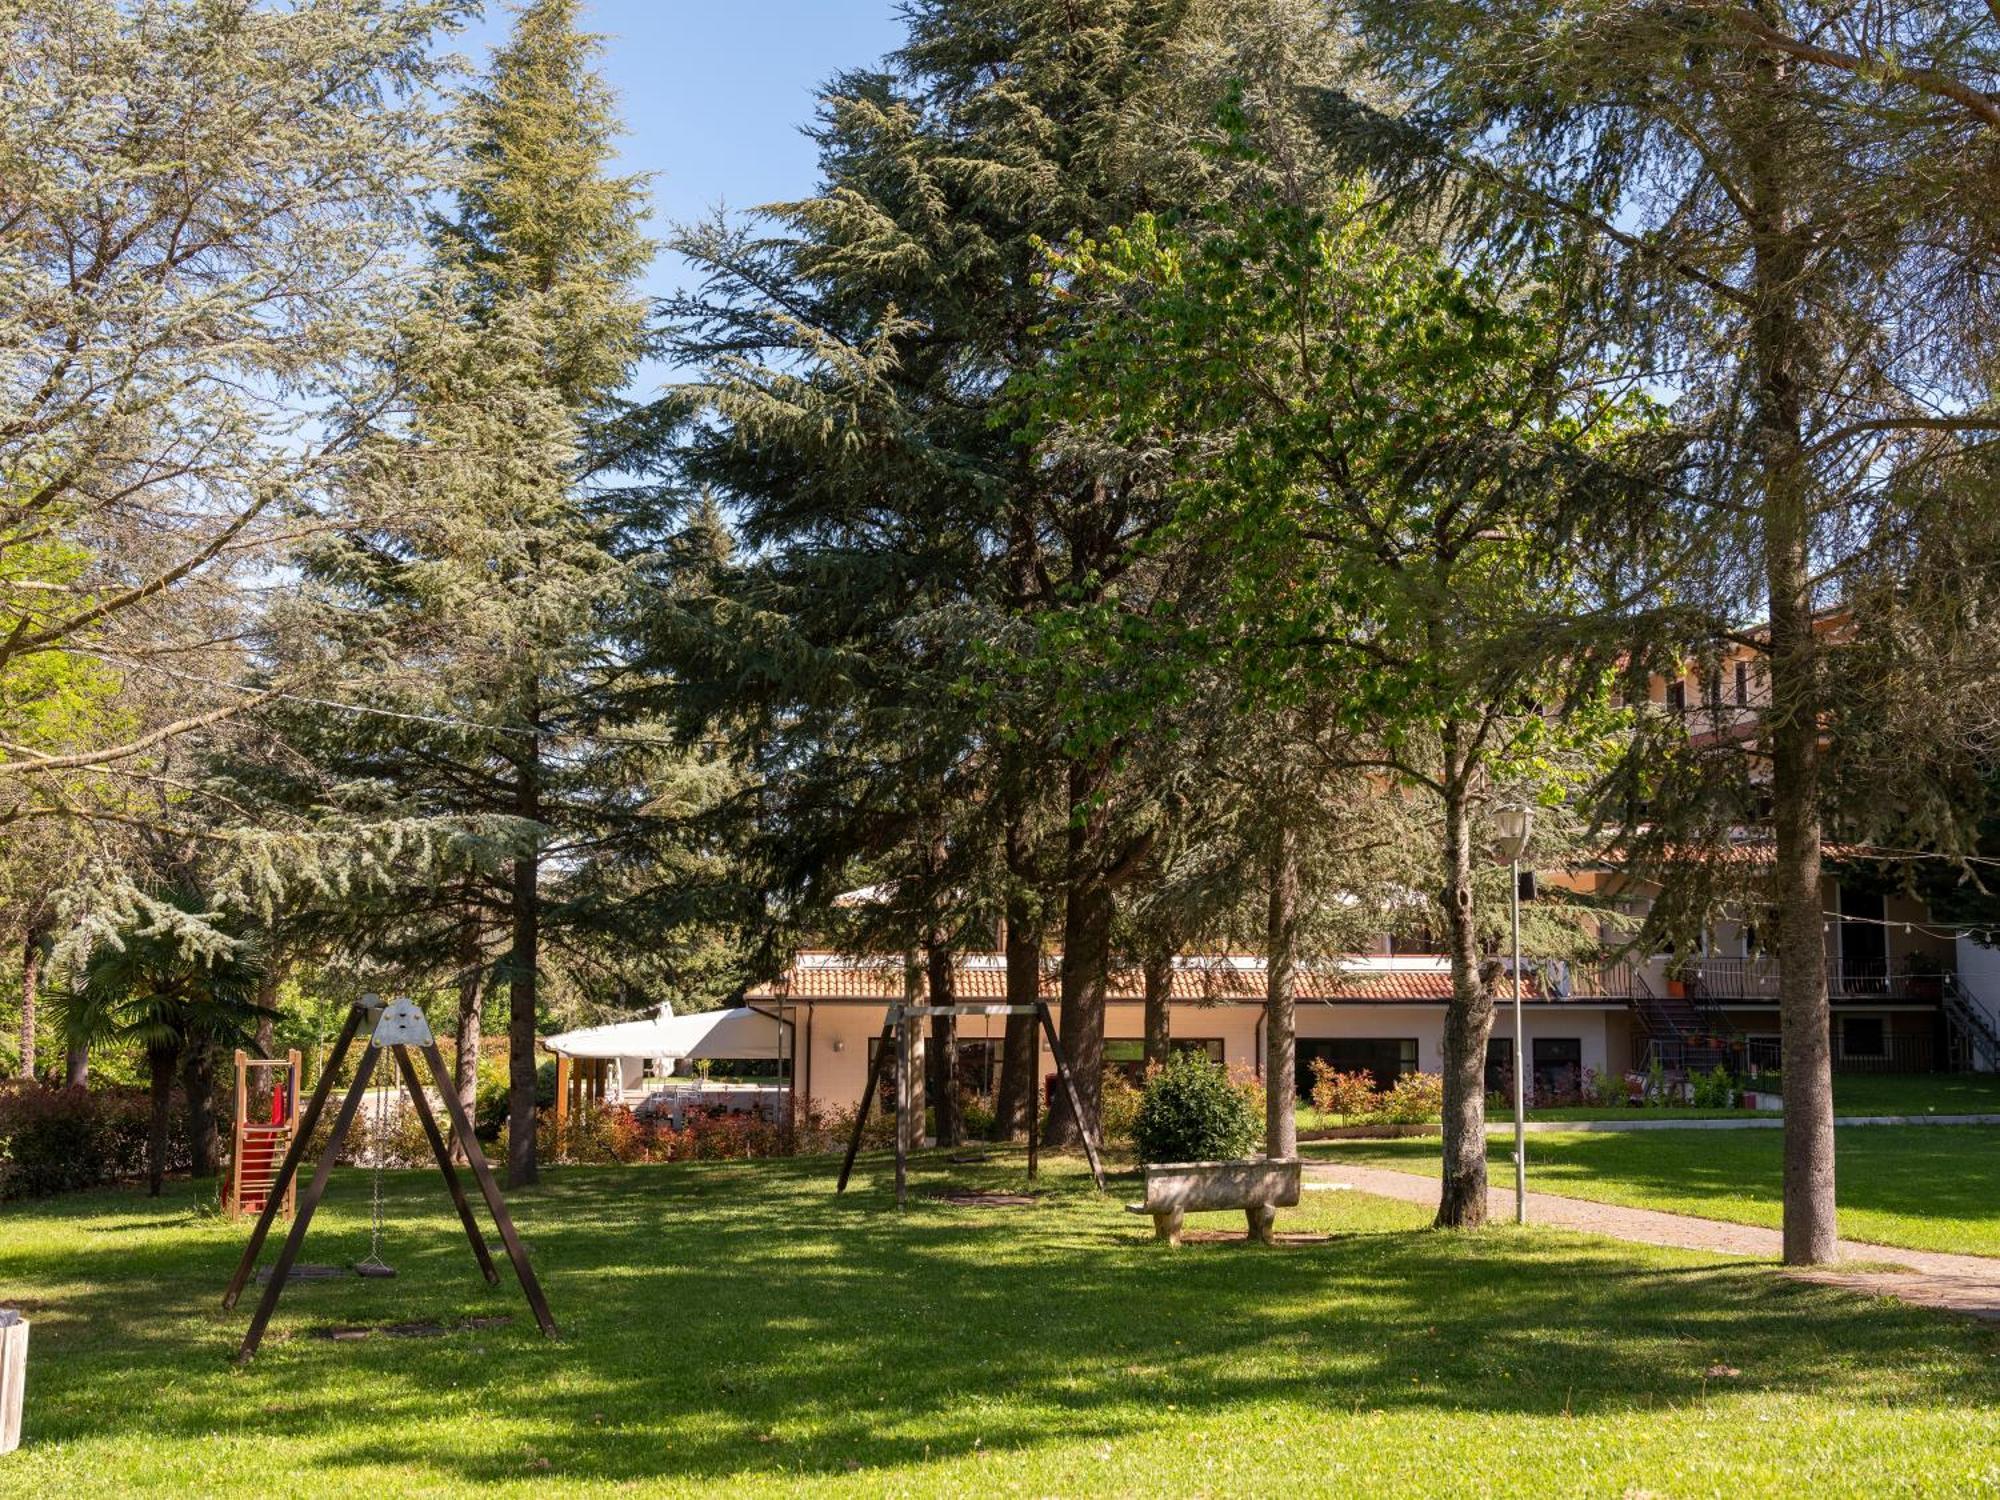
1957,1283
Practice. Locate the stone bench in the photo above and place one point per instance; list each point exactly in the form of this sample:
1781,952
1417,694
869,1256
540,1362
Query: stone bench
1260,1188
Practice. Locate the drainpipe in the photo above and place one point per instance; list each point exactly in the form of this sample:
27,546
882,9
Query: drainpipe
788,1030
810,1010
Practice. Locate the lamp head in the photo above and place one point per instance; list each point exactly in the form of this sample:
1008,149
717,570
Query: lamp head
1511,827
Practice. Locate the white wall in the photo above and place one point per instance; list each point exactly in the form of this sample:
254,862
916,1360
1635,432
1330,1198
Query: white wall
837,1077
1979,972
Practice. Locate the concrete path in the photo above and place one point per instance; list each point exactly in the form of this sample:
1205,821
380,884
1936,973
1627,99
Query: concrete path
1957,1283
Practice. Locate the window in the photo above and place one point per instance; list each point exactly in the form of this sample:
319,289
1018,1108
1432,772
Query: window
979,1065
1500,1065
1712,688
1864,1036
1128,1054
1387,1058
1557,1064
1677,697
1743,684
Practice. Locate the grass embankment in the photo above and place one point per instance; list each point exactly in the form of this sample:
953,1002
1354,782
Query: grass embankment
1929,1187
737,1327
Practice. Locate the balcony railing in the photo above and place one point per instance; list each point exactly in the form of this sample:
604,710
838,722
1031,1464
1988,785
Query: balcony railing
1901,1053
1600,982
1856,979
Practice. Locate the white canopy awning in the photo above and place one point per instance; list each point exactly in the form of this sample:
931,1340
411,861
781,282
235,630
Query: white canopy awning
742,1032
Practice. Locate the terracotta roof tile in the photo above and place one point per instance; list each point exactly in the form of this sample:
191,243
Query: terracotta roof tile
982,979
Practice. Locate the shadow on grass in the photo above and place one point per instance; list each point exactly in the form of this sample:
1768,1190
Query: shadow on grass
727,1318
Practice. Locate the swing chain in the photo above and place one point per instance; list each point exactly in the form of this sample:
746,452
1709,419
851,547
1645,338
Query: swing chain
374,1262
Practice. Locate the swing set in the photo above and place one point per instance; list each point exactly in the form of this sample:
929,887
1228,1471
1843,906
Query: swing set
899,1036
396,1028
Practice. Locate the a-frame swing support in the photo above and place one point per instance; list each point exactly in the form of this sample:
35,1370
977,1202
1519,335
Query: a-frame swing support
397,1028
895,1045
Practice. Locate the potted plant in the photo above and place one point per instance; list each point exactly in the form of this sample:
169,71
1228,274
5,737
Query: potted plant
1196,1133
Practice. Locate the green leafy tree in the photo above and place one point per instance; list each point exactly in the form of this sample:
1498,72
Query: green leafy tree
471,605
1399,490
1783,201
202,207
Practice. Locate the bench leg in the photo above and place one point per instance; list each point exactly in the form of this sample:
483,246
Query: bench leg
1263,1220
1167,1225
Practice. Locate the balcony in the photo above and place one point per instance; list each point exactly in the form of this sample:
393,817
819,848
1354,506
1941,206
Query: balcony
1719,980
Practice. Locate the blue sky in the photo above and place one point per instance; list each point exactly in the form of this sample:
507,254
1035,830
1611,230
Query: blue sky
713,94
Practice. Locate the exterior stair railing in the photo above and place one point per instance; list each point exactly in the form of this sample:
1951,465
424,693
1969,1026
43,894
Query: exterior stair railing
1975,1031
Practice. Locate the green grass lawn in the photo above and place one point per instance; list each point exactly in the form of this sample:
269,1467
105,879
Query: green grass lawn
737,1328
1930,1187
1853,1094
1917,1093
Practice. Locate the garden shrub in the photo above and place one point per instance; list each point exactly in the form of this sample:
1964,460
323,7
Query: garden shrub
62,1140
1343,1093
978,1112
1607,1090
1190,1110
489,1105
1656,1083
1243,1078
827,1132
1417,1098
1118,1109
1715,1089
611,1135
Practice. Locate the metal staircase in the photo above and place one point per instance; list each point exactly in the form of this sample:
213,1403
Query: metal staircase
1681,1033
1973,1030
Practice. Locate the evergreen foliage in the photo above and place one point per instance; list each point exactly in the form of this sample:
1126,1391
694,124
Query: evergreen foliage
1401,499
1190,1111
897,532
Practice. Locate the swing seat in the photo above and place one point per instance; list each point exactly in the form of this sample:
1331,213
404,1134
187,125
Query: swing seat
374,1270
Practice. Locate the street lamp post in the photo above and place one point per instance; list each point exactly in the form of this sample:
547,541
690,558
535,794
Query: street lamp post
1512,826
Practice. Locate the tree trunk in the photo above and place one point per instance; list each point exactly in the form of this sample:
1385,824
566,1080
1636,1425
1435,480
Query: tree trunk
1468,1019
1157,973
76,1066
198,1092
522,965
1281,1050
32,955
266,1079
1024,987
1086,965
160,1062
465,1035
943,1058
1779,258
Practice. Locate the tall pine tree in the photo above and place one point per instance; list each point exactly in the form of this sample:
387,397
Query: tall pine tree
897,530
473,608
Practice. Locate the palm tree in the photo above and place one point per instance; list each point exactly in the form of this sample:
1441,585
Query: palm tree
178,1003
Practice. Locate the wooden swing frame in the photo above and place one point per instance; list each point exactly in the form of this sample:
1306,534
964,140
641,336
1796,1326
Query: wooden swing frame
397,1029
898,1037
